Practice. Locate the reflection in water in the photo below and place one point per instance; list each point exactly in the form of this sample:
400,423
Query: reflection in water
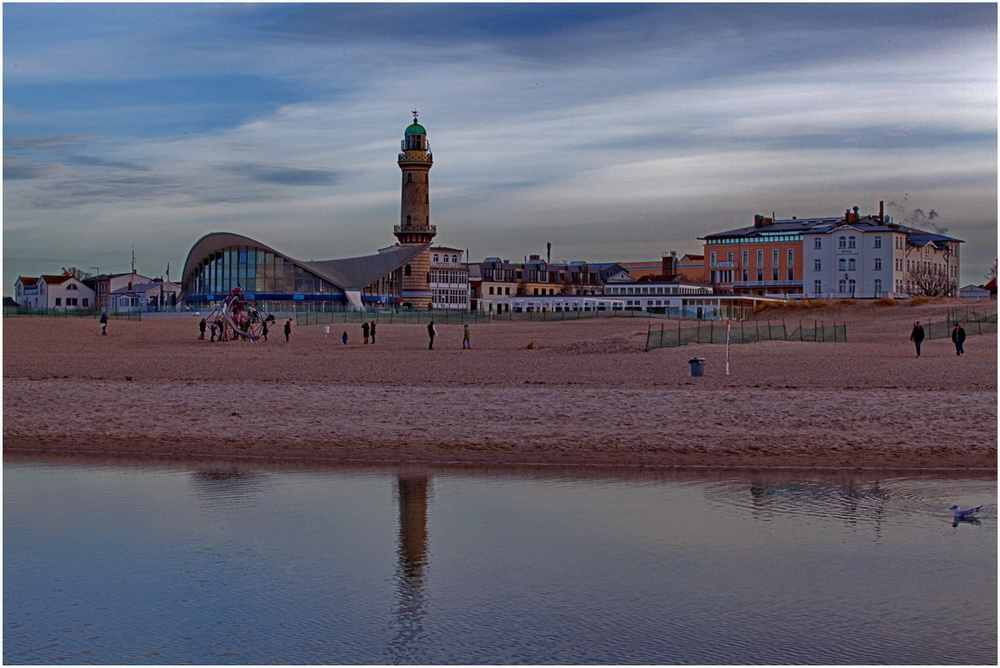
412,495
227,485
850,501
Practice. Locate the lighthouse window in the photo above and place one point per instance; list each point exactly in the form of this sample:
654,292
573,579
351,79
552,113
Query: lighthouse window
406,270
408,220
409,177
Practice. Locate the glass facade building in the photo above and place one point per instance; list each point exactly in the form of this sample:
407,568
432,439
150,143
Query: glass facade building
219,262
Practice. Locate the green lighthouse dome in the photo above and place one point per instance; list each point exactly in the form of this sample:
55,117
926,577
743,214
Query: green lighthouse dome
415,129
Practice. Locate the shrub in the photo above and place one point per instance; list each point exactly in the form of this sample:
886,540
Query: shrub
847,302
886,301
917,301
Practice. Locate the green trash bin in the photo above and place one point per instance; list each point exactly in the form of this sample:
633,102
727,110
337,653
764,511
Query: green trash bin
697,366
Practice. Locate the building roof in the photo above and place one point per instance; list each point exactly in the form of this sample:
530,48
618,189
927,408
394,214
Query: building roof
52,279
415,129
28,280
360,272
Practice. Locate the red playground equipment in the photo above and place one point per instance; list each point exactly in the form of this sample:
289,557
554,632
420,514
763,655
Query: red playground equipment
237,318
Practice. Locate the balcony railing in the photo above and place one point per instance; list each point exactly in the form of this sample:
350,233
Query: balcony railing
396,229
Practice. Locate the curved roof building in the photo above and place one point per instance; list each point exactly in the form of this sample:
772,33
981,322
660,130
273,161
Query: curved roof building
398,275
221,261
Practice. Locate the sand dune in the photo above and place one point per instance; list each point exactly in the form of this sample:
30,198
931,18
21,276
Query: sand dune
588,394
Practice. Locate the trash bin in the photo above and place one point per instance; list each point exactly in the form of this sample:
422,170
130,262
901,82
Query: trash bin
697,366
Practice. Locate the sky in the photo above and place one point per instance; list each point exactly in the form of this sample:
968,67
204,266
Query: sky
615,132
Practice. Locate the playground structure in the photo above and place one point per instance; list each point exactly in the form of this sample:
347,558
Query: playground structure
237,318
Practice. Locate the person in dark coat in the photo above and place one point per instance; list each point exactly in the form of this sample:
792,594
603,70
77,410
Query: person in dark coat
288,329
212,330
202,326
373,331
365,329
430,333
917,336
104,324
958,338
263,330
343,337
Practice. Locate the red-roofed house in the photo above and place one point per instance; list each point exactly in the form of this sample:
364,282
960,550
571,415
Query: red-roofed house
51,291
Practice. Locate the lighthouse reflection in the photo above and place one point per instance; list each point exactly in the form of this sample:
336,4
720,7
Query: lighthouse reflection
412,496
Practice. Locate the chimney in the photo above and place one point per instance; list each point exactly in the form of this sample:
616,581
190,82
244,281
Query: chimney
881,210
669,263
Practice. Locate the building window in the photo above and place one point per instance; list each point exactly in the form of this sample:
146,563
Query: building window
852,265
746,275
878,286
850,285
760,275
71,286
817,244
86,301
711,258
774,274
852,242
760,258
817,265
842,285
58,301
71,301
841,264
878,241
746,258
841,243
407,270
878,264
817,287
774,257
435,257
791,274
729,256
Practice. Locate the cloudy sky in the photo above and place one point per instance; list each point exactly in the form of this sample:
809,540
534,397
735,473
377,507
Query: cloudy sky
613,131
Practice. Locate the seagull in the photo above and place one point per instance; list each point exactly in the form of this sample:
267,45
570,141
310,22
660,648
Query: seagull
967,514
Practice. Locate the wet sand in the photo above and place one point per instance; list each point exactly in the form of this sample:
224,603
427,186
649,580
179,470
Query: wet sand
589,394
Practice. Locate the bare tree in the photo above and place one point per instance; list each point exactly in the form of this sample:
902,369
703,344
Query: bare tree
931,282
992,273
78,273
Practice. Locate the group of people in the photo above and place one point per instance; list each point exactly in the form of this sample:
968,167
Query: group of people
917,335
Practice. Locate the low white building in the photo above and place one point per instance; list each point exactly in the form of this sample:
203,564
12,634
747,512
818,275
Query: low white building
145,297
53,292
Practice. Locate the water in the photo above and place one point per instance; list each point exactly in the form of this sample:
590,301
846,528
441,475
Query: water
112,561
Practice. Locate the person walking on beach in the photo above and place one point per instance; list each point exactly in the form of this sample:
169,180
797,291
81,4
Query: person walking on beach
104,324
958,338
288,329
373,332
202,326
343,337
365,329
465,337
917,336
430,333
212,330
263,330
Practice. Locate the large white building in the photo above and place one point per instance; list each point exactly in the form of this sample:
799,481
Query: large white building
870,258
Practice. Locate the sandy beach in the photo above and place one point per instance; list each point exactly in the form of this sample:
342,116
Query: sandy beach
588,394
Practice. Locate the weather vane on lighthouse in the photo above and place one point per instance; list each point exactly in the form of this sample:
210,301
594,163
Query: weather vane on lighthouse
414,115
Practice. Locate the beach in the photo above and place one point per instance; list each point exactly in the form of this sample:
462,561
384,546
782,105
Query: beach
588,393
